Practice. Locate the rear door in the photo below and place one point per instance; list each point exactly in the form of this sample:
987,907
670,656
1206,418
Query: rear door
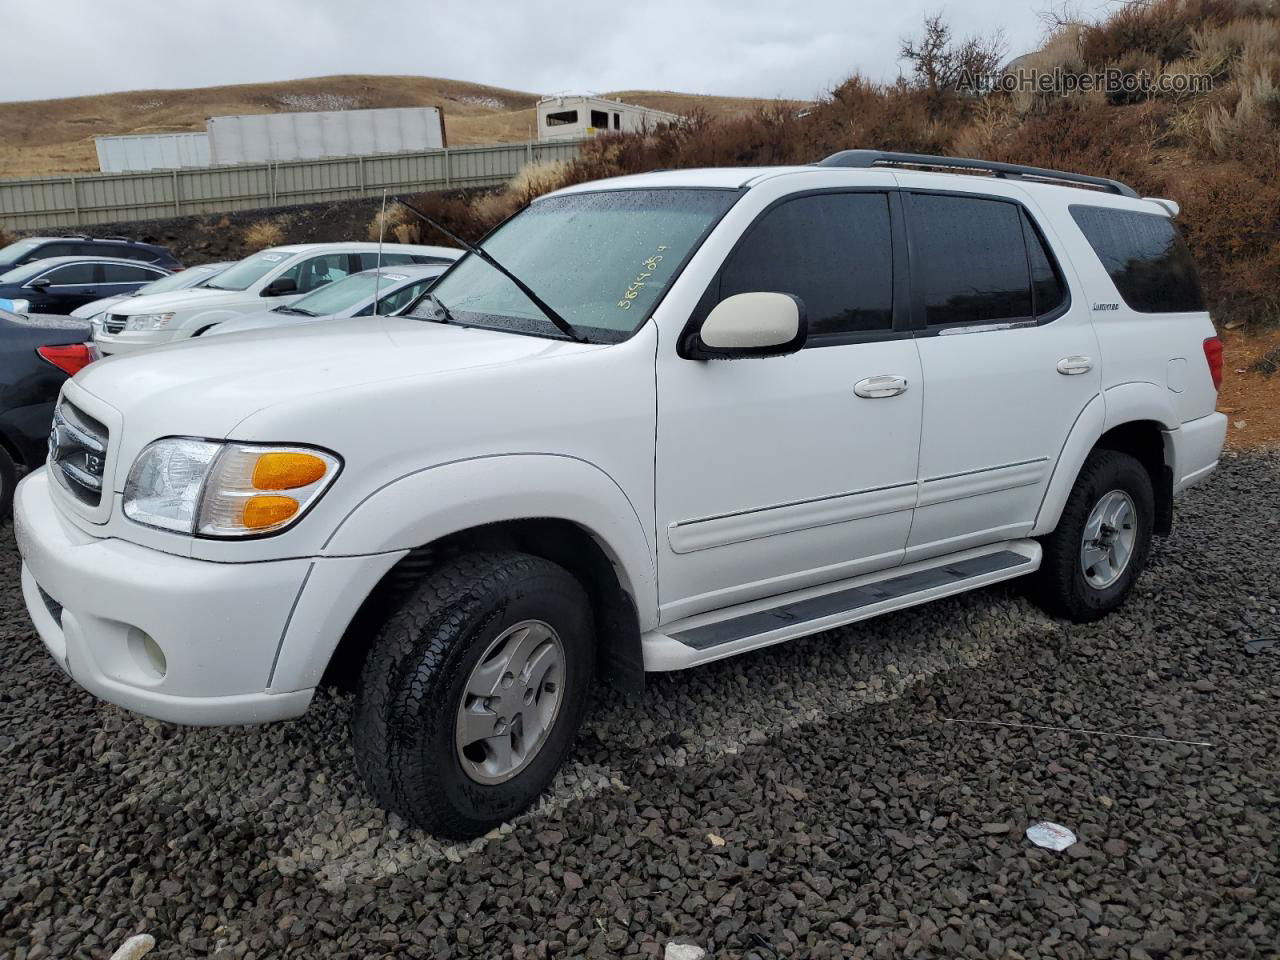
779,473
1009,360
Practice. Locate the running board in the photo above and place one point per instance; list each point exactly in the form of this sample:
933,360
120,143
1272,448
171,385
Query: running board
749,626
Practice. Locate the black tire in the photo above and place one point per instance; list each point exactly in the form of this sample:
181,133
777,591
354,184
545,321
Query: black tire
413,681
1060,585
8,480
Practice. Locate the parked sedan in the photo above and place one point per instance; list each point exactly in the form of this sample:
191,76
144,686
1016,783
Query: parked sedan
184,280
393,287
37,354
61,284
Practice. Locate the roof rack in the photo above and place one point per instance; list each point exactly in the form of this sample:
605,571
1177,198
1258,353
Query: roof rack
872,158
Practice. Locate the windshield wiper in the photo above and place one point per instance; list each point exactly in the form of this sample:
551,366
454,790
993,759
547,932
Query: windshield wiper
298,310
559,322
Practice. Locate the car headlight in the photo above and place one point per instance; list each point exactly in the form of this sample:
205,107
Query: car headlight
20,306
149,321
225,489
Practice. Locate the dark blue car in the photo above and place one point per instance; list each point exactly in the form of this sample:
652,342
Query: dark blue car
61,284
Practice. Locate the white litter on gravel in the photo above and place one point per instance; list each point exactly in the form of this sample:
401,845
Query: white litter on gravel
683,951
135,947
1051,836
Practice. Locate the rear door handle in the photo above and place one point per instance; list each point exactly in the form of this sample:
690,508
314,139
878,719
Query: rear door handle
874,388
1073,366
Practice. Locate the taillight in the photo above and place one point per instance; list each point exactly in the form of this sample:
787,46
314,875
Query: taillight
1213,354
70,358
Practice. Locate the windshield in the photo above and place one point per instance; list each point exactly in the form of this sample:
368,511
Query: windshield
16,251
24,272
192,277
247,272
602,260
343,293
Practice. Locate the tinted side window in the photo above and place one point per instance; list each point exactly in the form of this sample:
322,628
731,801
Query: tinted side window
970,259
1144,256
833,251
389,259
1047,289
73,274
121,273
56,250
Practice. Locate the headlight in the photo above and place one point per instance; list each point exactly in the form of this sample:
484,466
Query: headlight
20,306
225,489
149,321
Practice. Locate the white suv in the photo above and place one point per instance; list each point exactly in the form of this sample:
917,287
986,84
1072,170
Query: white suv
272,278
756,404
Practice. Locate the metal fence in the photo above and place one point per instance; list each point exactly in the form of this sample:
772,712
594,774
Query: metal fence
41,203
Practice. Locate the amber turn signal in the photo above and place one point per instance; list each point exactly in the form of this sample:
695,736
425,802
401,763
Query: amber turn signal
268,510
287,471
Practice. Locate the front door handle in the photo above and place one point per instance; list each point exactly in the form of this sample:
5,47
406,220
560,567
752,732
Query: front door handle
1073,366
874,388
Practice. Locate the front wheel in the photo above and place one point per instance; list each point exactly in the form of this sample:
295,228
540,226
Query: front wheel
473,692
1102,541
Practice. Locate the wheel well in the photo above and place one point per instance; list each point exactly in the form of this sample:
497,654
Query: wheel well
14,453
1144,441
618,655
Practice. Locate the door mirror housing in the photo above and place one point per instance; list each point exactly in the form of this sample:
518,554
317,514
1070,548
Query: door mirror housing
751,325
280,286
40,283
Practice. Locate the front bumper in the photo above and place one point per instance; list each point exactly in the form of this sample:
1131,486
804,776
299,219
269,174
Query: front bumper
95,602
114,344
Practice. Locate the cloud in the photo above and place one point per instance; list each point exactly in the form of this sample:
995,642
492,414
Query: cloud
62,48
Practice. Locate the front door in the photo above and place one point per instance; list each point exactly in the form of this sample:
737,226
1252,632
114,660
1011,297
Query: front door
779,473
1009,359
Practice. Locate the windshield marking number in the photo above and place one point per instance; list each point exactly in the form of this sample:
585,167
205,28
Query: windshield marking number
649,267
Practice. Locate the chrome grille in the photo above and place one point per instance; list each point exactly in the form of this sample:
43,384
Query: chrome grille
114,322
78,451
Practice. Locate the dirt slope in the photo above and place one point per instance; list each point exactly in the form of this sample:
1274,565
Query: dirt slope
56,136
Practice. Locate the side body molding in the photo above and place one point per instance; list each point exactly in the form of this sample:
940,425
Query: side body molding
429,504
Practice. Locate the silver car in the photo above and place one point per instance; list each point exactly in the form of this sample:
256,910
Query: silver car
394,287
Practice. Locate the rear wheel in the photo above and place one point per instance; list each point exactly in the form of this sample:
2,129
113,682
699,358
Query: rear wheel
473,692
1102,540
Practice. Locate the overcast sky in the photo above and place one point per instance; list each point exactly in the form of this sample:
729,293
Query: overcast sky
800,48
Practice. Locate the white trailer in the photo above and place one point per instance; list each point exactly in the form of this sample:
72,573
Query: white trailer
577,117
153,151
280,137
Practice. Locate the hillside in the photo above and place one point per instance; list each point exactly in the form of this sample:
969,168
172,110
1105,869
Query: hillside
56,136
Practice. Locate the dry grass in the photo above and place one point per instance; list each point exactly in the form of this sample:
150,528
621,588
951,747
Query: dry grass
42,137
6,237
264,234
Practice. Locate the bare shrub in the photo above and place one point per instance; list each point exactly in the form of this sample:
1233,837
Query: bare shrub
263,234
6,237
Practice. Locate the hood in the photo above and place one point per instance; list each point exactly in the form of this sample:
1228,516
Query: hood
91,310
266,320
177,300
204,387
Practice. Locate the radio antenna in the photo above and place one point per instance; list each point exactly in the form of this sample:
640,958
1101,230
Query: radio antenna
382,232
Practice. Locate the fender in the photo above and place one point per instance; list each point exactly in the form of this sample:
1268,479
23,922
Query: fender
424,506
1124,403
1139,400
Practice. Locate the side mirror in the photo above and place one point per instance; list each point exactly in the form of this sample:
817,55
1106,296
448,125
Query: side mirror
40,283
751,325
280,287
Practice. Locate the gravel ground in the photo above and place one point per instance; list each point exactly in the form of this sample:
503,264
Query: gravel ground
836,796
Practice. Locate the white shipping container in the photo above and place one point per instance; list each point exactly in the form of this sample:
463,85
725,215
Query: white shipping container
155,151
281,137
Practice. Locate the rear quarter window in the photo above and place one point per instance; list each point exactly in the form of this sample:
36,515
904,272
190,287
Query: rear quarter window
1145,257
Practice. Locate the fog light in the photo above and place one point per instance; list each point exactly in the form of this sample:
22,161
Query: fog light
147,653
